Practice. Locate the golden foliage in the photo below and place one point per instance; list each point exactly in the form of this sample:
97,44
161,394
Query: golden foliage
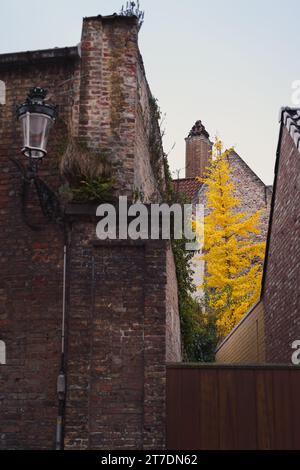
233,260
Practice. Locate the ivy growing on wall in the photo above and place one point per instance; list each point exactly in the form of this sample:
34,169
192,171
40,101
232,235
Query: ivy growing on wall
184,274
157,155
198,329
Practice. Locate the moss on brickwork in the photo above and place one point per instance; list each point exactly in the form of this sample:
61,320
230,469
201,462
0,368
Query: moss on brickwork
117,98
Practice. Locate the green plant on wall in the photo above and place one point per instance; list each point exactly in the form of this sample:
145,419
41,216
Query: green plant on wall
138,195
157,155
88,173
198,328
94,190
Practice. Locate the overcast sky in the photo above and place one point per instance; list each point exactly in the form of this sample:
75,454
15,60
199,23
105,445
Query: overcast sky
230,63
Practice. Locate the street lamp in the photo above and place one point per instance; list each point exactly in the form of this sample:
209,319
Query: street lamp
37,118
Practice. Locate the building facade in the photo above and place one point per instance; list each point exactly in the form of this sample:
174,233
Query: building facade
249,188
108,326
281,282
279,303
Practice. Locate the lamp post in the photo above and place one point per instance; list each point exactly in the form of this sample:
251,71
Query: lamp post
36,116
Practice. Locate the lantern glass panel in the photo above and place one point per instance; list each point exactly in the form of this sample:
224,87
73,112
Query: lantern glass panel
36,129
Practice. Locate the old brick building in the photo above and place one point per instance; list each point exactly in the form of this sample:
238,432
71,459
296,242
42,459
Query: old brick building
121,307
249,188
281,283
266,334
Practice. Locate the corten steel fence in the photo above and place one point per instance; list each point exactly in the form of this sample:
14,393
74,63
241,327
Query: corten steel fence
233,407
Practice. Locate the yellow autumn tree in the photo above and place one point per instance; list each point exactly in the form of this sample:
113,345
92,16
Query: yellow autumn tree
233,261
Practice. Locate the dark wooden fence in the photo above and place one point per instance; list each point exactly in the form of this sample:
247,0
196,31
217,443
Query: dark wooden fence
233,407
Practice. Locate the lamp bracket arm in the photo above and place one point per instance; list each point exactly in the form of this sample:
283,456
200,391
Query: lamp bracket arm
47,198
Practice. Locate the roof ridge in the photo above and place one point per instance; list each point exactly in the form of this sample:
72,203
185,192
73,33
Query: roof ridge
68,52
185,178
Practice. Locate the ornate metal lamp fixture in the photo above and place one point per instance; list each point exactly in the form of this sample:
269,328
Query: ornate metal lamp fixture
37,117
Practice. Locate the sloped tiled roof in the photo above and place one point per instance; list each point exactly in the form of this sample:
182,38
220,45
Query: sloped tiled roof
187,186
290,118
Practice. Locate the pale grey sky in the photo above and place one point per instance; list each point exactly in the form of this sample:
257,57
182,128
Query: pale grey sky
230,63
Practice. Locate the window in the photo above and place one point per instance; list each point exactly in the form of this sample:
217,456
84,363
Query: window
2,353
2,92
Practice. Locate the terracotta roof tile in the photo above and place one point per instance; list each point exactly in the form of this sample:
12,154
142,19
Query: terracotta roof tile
187,186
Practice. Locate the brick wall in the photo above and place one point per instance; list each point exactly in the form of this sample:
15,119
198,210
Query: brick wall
148,149
120,307
117,307
108,92
31,273
115,114
246,343
173,337
282,278
251,191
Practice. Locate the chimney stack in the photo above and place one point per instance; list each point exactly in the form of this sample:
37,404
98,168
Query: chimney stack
198,151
